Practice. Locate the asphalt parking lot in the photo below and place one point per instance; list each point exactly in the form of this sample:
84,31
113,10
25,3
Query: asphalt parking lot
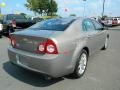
103,72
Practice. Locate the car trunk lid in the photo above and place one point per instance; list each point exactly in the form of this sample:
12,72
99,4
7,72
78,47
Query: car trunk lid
28,40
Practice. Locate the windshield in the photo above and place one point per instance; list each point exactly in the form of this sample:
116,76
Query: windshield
53,24
10,17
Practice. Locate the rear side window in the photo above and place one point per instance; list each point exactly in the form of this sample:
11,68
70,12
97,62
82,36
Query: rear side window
98,26
53,24
88,25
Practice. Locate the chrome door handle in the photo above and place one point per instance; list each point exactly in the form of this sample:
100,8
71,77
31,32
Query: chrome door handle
89,36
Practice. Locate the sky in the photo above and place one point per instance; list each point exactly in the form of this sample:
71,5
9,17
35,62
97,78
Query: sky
92,7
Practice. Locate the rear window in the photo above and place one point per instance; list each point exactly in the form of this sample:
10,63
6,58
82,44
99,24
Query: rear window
53,24
10,17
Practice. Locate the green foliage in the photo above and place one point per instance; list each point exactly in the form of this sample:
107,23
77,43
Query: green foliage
42,6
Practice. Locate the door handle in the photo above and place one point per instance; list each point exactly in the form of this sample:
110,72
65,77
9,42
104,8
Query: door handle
89,36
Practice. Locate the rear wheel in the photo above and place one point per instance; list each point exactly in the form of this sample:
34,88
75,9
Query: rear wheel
81,64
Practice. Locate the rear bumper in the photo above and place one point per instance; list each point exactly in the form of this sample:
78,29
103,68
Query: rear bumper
52,65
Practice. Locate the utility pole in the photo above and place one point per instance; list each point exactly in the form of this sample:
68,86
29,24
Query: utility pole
103,8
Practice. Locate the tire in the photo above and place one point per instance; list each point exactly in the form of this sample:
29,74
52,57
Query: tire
0,34
81,64
106,44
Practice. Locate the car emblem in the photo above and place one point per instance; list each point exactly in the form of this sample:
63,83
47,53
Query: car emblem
25,39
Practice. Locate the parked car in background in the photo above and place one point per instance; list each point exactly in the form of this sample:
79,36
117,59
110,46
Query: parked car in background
13,21
109,21
1,29
118,19
57,47
106,21
114,22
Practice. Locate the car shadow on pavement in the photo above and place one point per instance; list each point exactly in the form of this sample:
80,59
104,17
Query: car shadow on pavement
28,77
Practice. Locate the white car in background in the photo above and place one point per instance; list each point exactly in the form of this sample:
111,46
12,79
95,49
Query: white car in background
118,19
107,21
1,28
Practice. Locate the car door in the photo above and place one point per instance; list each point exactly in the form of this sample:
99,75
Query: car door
90,34
100,34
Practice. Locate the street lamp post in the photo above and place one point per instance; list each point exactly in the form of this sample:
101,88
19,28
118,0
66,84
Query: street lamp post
103,8
84,8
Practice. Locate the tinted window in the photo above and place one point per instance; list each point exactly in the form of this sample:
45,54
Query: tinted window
98,26
88,25
53,24
10,17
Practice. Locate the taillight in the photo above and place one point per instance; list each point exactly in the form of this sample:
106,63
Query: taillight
41,48
13,41
51,47
48,47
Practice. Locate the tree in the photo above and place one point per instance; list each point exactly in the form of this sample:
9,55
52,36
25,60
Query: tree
52,7
42,6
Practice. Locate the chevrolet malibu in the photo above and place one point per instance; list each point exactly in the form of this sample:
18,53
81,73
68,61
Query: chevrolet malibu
58,47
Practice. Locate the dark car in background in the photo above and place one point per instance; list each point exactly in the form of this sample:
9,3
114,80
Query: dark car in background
15,21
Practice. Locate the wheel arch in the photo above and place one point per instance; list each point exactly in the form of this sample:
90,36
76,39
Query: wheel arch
86,49
77,54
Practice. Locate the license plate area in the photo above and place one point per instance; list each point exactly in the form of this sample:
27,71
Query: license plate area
20,61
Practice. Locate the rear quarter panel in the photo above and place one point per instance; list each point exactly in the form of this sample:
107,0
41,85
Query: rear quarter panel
70,44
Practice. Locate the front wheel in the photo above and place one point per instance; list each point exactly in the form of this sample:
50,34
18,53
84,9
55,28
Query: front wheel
106,44
81,64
